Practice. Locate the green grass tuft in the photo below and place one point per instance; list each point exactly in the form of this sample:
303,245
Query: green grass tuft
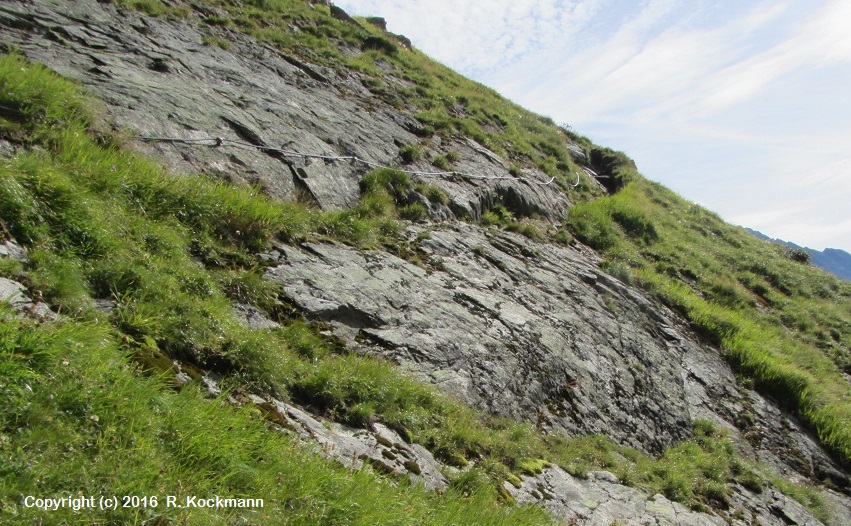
411,153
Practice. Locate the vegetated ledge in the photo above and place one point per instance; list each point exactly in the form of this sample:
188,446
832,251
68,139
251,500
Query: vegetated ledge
341,223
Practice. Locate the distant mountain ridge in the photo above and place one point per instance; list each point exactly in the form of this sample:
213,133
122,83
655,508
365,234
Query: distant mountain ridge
833,260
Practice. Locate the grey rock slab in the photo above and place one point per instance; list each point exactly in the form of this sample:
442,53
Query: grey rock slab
839,507
379,446
600,499
577,152
157,78
252,317
16,295
496,327
11,249
771,507
7,149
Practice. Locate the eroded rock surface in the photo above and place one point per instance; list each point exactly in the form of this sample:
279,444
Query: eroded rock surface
383,449
600,499
518,329
537,331
15,293
379,446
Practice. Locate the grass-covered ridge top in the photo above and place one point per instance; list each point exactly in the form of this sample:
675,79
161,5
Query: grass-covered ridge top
785,326
173,254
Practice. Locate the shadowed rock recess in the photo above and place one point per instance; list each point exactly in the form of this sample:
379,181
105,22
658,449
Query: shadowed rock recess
509,325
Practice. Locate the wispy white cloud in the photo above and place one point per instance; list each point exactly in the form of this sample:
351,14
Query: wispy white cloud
825,38
820,40
476,36
656,63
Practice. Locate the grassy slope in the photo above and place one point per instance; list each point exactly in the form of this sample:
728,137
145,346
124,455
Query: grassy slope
78,420
99,222
800,315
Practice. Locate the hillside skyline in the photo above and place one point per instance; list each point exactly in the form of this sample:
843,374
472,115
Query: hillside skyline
740,109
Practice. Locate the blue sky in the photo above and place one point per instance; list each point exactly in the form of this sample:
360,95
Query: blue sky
741,106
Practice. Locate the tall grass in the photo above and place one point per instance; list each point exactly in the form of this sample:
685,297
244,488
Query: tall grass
77,420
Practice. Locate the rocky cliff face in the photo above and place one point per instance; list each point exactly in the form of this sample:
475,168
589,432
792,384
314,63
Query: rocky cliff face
512,326
538,332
